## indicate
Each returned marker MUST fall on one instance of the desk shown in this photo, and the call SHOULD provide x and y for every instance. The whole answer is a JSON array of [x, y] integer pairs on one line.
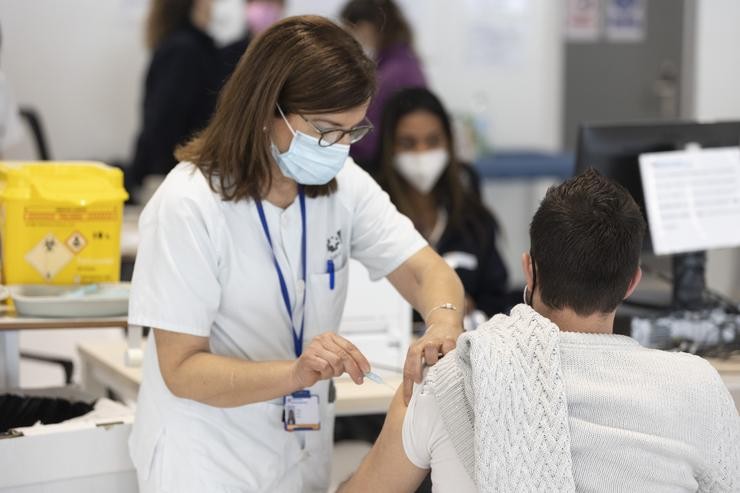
[[103, 366], [10, 324], [730, 366], [729, 370]]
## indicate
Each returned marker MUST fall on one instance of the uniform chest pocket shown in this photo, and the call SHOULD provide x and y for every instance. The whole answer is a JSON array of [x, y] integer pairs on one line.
[[327, 297]]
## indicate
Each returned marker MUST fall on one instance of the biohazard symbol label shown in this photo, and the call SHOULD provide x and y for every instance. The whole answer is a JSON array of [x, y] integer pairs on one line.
[[76, 242], [49, 256]]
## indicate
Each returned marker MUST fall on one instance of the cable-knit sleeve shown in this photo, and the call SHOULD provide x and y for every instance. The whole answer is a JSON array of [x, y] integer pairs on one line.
[[724, 451]]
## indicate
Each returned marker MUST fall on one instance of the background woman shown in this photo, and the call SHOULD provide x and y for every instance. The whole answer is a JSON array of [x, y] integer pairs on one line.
[[386, 37], [427, 183], [195, 46]]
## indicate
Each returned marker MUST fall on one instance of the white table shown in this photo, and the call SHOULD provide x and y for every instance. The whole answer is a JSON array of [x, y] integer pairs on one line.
[[729, 370], [104, 366], [10, 325]]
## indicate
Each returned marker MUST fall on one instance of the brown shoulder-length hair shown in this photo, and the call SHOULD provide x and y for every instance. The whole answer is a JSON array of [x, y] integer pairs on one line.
[[308, 65], [385, 16], [166, 16]]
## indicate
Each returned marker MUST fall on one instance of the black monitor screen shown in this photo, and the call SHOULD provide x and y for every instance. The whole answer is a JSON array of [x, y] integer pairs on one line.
[[614, 150]]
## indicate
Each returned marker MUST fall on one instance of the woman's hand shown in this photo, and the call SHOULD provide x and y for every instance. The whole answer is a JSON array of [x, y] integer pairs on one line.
[[430, 286], [439, 339], [328, 355]]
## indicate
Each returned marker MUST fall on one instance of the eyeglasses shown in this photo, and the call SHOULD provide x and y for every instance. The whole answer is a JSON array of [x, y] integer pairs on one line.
[[329, 137]]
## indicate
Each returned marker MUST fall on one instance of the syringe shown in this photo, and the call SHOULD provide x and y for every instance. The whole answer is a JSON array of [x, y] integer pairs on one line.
[[378, 379]]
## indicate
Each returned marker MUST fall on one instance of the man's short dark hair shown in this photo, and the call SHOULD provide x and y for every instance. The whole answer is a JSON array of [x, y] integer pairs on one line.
[[586, 239]]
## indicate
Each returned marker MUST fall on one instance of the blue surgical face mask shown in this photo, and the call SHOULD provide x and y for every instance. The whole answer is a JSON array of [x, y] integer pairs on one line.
[[306, 161]]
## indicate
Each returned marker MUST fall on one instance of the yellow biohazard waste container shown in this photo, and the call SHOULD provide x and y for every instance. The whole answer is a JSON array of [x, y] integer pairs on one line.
[[60, 222]]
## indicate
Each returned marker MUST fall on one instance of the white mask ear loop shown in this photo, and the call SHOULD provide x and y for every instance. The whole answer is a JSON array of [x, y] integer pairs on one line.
[[285, 119], [524, 295]]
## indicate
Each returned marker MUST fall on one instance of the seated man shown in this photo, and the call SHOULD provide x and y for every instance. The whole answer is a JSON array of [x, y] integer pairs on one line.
[[548, 398]]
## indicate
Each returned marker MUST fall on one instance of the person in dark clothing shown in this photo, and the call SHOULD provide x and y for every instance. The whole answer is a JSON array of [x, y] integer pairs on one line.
[[427, 183], [196, 45]]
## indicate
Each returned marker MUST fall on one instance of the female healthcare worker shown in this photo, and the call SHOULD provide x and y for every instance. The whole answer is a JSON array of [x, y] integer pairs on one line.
[[242, 274]]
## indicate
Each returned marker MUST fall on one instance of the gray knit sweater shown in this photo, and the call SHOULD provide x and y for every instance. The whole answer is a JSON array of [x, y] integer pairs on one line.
[[502, 399], [506, 383]]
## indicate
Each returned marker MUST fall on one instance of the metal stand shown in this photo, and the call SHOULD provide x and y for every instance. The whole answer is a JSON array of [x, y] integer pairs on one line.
[[9, 359], [688, 280], [134, 355]]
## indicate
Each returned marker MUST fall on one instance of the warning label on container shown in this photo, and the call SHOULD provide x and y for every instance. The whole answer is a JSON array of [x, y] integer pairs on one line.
[[76, 242], [34, 215], [49, 256]]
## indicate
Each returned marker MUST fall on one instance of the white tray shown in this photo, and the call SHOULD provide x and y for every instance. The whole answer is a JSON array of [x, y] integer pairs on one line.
[[108, 300]]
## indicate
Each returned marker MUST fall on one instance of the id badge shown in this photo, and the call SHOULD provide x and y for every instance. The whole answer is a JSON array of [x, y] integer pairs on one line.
[[301, 411]]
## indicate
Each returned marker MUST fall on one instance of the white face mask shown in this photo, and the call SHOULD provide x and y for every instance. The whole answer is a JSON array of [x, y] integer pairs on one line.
[[422, 169], [308, 163], [228, 21]]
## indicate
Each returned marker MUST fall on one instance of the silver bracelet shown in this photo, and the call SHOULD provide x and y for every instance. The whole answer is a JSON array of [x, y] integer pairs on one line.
[[443, 306]]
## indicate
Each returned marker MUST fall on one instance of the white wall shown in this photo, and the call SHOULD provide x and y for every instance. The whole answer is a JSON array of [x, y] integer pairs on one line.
[[522, 95], [80, 63], [717, 60], [717, 97]]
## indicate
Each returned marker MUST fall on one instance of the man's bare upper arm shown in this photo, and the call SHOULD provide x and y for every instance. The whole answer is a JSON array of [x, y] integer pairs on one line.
[[386, 467]]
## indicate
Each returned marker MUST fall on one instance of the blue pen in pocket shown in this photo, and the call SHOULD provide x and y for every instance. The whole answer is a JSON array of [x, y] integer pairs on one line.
[[330, 270]]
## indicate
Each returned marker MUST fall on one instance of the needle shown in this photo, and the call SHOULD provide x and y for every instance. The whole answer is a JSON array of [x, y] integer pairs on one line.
[[378, 379]]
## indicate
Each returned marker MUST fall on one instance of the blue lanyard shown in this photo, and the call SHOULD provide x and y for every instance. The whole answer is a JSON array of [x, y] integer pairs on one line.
[[297, 336]]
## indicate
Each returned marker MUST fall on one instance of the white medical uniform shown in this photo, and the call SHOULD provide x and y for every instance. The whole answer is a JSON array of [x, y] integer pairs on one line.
[[204, 268]]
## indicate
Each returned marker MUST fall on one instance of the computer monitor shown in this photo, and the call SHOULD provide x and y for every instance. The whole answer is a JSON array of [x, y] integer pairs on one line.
[[614, 150]]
